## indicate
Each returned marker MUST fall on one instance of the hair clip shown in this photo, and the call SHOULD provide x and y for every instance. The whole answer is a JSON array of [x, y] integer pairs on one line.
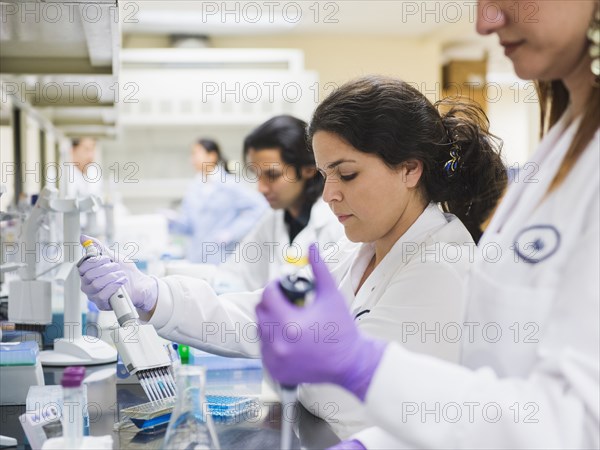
[[452, 164]]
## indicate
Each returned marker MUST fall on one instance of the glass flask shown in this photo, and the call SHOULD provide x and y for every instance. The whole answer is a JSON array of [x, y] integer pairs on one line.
[[191, 425]]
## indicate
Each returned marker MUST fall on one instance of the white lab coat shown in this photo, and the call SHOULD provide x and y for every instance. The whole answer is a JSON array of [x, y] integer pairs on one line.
[[537, 385], [261, 255], [417, 287], [414, 297]]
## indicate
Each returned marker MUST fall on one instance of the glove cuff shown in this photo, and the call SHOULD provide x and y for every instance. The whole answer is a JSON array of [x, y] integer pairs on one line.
[[150, 294], [368, 355]]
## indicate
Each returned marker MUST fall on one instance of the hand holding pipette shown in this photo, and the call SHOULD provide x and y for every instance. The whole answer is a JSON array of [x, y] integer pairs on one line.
[[102, 275], [143, 356]]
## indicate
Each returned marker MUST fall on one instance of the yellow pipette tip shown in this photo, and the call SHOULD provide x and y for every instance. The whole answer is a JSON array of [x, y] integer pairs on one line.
[[300, 262], [87, 243]]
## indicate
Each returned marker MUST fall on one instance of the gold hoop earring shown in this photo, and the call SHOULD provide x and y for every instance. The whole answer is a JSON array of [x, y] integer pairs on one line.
[[593, 35]]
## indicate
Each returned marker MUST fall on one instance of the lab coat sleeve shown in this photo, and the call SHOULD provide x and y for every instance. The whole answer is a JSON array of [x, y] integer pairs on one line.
[[189, 312], [435, 404], [248, 268]]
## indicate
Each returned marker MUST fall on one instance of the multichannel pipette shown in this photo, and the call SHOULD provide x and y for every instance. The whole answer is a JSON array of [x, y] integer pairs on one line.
[[138, 344], [295, 287]]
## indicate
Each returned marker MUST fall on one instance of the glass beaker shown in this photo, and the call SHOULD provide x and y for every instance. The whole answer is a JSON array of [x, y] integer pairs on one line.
[[191, 425]]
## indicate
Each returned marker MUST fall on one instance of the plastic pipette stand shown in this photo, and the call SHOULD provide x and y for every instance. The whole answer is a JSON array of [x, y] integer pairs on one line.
[[74, 349]]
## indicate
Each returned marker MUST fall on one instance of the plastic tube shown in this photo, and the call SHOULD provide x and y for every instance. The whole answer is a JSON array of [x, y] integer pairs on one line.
[[73, 406]]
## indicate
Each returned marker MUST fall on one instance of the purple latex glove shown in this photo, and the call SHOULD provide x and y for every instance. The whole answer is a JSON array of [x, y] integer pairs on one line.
[[101, 277], [338, 353], [348, 445]]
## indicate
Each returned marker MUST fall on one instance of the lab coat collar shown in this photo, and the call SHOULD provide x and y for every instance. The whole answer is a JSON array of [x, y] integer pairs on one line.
[[430, 221]]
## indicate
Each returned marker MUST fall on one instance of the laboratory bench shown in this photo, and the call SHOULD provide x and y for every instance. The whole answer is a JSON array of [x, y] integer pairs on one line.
[[260, 431]]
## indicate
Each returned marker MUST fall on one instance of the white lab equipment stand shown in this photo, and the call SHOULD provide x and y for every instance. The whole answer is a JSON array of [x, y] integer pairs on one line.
[[74, 348], [30, 300], [6, 441]]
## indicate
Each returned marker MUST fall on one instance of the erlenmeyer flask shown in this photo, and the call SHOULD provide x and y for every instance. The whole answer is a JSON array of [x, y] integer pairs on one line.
[[191, 426]]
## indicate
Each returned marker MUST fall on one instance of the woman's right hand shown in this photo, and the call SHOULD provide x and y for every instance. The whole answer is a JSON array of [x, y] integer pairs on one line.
[[101, 277]]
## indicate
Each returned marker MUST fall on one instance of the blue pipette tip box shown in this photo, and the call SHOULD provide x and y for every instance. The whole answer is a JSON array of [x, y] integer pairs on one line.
[[143, 424], [20, 368], [19, 353], [221, 408]]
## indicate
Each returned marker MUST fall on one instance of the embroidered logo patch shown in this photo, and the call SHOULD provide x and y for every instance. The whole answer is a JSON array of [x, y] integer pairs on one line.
[[536, 243]]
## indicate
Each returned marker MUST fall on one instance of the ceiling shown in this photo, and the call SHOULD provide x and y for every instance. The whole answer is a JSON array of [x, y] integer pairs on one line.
[[62, 59], [75, 45], [368, 17]]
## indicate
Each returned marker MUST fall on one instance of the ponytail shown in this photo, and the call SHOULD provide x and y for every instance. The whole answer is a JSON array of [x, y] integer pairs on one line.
[[470, 176]]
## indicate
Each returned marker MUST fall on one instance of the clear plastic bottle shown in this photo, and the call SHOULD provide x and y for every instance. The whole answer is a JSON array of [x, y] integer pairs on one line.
[[191, 425]]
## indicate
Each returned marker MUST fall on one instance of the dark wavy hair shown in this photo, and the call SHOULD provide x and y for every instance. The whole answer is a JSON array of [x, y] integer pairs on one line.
[[391, 119], [288, 134]]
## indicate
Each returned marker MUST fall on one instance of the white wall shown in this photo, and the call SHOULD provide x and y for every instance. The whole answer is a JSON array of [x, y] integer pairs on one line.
[[163, 153], [514, 117], [145, 156]]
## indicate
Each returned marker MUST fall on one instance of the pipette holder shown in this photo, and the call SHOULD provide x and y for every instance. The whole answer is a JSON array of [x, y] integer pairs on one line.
[[30, 299]]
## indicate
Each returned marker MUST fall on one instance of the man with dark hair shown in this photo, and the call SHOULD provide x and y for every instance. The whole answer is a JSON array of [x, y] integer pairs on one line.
[[277, 155]]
